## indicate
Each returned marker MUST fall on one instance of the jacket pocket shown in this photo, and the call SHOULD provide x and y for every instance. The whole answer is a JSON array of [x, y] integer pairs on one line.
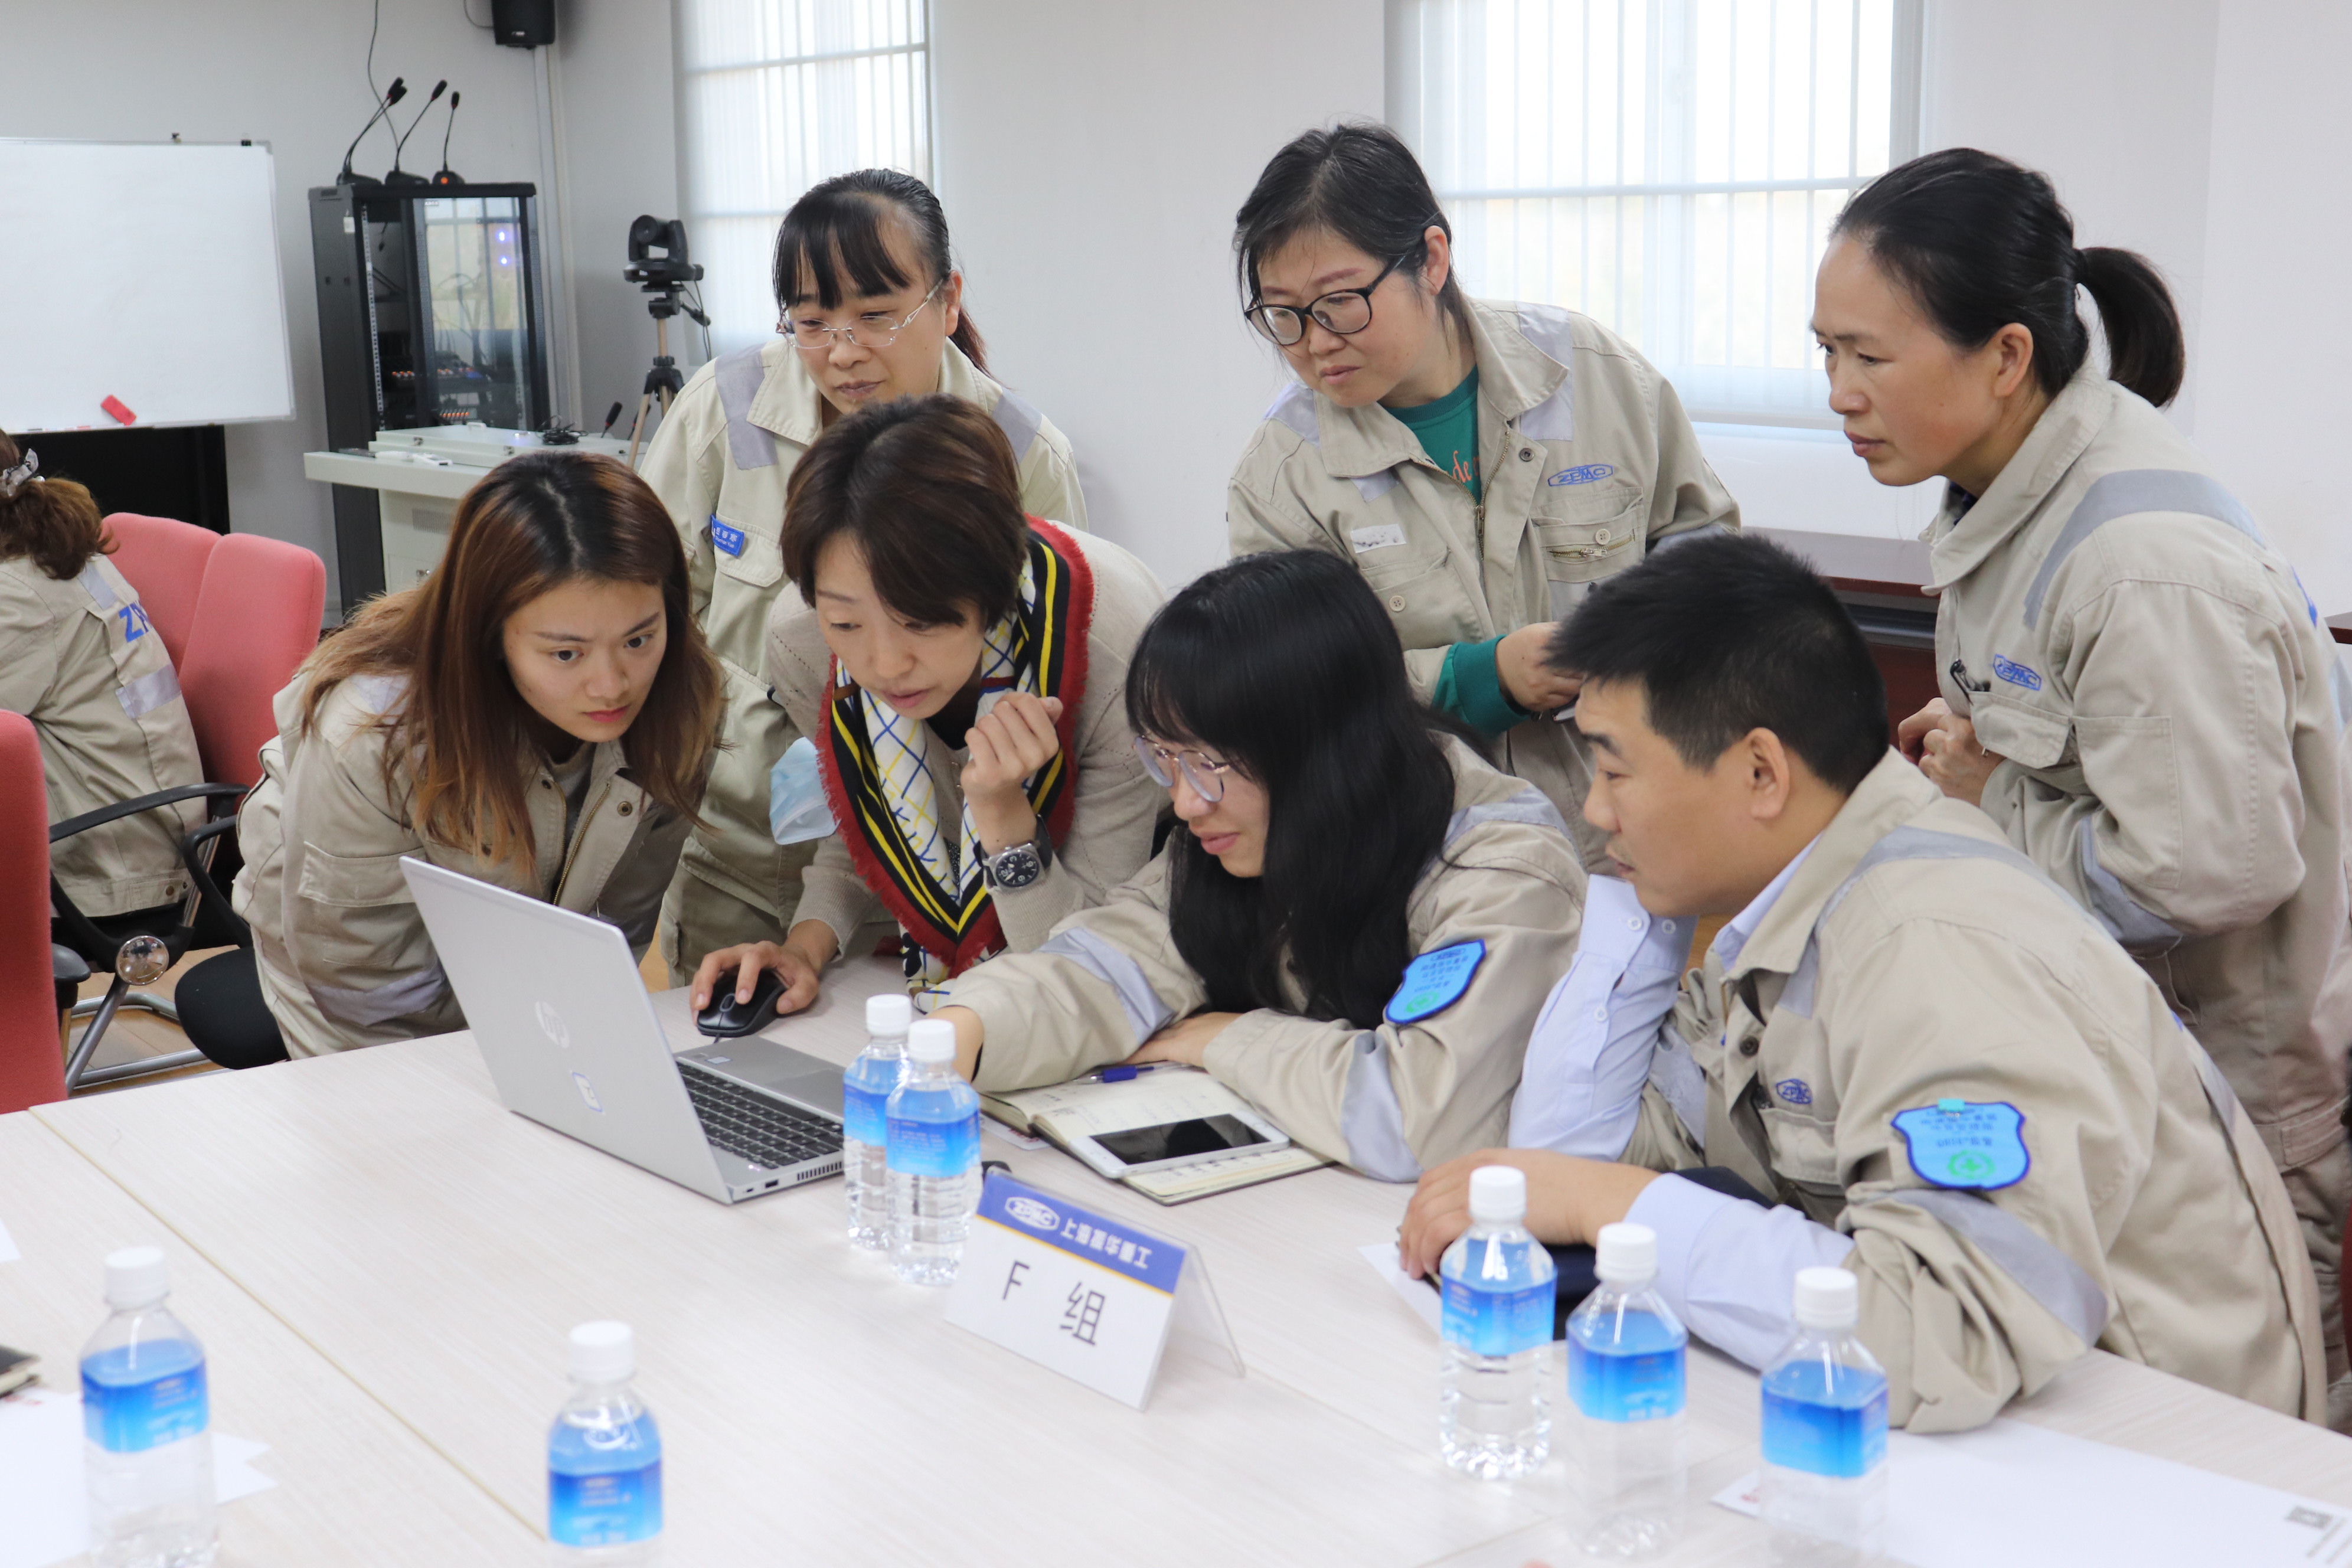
[[761, 561], [352, 882], [2026, 736], [1574, 555]]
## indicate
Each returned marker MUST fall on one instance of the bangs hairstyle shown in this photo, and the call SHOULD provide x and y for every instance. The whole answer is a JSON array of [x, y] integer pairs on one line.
[[536, 522], [1727, 633], [1358, 181], [926, 490], [55, 521], [835, 242], [1286, 666]]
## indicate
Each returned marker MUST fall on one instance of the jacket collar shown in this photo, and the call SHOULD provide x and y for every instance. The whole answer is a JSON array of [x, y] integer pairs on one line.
[[789, 404], [1514, 375], [1889, 796], [1967, 535]]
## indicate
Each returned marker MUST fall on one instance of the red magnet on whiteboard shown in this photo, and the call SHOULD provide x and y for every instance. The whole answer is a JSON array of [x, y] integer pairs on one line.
[[121, 410]]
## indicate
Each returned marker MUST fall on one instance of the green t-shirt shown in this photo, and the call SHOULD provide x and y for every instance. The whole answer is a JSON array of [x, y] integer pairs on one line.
[[1448, 431]]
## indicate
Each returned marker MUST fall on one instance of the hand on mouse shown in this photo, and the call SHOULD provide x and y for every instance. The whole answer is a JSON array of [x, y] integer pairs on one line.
[[800, 959]]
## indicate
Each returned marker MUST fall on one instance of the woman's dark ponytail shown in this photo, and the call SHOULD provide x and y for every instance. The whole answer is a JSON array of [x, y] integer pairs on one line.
[[1982, 243]]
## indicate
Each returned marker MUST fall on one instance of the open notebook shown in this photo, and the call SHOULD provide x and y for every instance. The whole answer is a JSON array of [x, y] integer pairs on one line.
[[1090, 1108]]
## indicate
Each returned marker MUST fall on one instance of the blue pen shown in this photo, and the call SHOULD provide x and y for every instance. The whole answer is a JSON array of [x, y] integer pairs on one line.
[[1122, 1072]]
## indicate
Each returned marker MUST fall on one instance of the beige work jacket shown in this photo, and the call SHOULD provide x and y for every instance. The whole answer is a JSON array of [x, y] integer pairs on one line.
[[1916, 958], [344, 956], [719, 463], [80, 660], [1387, 1098], [1117, 803], [1588, 462], [2173, 713]]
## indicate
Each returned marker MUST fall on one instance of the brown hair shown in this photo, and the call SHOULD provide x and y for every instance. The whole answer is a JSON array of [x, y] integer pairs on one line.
[[536, 522], [55, 521], [927, 489]]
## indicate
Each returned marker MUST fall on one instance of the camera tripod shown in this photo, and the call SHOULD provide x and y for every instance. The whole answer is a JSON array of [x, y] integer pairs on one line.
[[663, 381]]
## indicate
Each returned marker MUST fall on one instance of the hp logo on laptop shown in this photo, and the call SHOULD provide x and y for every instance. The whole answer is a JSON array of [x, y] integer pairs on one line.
[[550, 1023]]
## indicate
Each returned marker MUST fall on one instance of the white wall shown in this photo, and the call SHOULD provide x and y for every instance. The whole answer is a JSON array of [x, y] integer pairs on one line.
[[1091, 154]]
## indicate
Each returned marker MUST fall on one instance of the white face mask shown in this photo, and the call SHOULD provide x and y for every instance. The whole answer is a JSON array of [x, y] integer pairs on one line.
[[797, 811]]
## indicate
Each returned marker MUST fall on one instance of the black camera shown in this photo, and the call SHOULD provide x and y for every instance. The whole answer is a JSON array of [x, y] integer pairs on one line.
[[669, 270]]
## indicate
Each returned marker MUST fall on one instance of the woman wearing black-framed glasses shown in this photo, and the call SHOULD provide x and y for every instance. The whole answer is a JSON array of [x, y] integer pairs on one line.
[[1481, 463]]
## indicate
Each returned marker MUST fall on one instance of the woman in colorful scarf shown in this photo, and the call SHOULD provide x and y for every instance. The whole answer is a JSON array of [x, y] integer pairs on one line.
[[958, 668]]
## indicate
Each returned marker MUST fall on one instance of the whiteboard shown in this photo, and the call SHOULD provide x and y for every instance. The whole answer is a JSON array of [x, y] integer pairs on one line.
[[145, 273]]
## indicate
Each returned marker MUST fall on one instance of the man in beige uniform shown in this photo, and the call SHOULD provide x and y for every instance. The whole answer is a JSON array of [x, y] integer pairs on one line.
[[1385, 1097], [1954, 1083], [2163, 717], [1587, 461], [719, 462]]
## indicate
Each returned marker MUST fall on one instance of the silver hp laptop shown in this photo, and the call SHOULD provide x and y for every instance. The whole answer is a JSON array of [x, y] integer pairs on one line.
[[562, 1016]]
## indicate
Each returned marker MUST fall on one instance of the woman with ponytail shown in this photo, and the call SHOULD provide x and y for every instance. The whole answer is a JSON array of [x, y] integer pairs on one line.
[[2134, 686], [80, 660], [870, 308]]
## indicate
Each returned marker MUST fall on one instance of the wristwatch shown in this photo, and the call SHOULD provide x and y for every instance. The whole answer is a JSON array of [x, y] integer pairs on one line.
[[1018, 865]]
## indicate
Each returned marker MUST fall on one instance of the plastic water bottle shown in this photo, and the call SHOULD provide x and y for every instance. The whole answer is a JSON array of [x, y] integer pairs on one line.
[[1497, 1285], [1625, 1388], [1824, 1490], [865, 1115], [147, 1413], [603, 1459], [934, 1159]]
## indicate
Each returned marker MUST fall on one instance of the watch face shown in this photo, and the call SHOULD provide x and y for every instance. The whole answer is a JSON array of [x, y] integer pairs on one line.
[[1017, 868]]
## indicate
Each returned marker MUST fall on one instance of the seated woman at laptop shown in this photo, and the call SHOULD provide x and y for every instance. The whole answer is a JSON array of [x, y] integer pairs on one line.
[[1358, 919], [956, 666], [537, 713]]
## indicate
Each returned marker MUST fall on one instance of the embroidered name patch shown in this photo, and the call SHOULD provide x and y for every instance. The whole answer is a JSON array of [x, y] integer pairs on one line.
[[1966, 1143], [2017, 674], [1590, 473], [1378, 537], [1435, 980], [730, 539]]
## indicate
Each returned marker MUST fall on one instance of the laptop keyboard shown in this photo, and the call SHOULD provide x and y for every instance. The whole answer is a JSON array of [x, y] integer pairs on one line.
[[768, 1133]]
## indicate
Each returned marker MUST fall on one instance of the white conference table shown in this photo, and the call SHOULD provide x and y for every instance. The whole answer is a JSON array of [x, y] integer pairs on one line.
[[409, 1256]]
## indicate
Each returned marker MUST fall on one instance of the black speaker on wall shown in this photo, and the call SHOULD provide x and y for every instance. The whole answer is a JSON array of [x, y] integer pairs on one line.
[[524, 24]]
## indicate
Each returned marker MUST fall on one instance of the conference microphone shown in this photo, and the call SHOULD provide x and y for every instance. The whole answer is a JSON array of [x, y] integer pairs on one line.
[[449, 177], [397, 176], [393, 94]]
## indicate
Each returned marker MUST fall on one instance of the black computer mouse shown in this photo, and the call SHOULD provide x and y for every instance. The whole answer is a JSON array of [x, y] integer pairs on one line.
[[726, 1017]]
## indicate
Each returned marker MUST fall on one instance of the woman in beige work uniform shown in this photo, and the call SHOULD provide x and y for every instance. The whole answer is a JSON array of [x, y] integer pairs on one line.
[[2134, 686], [536, 714], [871, 308], [80, 660], [1480, 462], [1356, 922]]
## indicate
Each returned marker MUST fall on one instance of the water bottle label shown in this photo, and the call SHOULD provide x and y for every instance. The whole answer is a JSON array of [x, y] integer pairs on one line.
[[126, 1417], [934, 1148], [1643, 1386], [1825, 1439], [610, 1507], [1497, 1323], [864, 1115]]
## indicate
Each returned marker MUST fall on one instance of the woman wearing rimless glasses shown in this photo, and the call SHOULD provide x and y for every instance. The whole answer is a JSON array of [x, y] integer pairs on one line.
[[871, 309], [1356, 920], [1482, 463]]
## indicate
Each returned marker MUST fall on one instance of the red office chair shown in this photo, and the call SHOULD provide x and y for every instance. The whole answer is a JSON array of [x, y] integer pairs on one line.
[[165, 562], [30, 1070], [255, 618]]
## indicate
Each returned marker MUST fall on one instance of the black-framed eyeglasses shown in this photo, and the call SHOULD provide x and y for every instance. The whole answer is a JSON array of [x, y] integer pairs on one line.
[[1203, 772], [1346, 311]]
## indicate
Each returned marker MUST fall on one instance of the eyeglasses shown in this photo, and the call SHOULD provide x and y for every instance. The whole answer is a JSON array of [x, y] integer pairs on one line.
[[1346, 311], [1206, 775], [816, 334]]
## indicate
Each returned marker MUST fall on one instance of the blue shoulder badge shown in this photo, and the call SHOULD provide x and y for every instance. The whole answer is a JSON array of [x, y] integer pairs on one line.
[[1966, 1143], [1435, 980], [730, 539]]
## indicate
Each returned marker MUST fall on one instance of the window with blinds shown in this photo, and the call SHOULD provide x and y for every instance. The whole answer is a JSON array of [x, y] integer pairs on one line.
[[1669, 167], [774, 96]]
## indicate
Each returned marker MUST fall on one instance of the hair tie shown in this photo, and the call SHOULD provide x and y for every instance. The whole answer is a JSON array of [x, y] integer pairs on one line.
[[13, 480]]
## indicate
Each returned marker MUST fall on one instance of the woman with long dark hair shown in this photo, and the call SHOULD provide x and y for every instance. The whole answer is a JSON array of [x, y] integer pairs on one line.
[[1357, 919], [2134, 686], [538, 714], [1482, 463], [870, 307]]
